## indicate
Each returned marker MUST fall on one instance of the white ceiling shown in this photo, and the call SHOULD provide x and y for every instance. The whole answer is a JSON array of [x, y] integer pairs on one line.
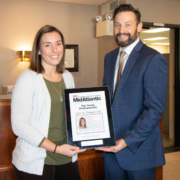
[[92, 2], [87, 2]]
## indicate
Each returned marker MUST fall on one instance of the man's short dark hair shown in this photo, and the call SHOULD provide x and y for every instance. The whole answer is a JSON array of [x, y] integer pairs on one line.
[[128, 8]]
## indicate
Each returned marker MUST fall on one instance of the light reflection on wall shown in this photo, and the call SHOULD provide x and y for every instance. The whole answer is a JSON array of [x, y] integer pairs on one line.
[[24, 47]]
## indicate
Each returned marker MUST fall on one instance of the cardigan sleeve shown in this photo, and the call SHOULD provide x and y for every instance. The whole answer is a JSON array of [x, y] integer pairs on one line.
[[68, 79], [21, 110]]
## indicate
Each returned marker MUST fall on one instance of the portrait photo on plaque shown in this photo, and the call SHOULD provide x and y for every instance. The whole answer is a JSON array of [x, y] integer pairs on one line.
[[88, 117]]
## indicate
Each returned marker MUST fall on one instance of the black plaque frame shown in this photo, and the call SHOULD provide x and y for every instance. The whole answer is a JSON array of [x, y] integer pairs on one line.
[[107, 141]]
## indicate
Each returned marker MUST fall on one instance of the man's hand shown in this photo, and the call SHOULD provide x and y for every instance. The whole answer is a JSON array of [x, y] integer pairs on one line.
[[120, 144]]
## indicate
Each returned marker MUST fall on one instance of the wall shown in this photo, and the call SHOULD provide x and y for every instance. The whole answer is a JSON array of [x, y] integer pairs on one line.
[[161, 11], [21, 19], [105, 45]]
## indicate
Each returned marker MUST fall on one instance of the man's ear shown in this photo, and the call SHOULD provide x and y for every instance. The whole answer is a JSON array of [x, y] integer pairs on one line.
[[139, 28]]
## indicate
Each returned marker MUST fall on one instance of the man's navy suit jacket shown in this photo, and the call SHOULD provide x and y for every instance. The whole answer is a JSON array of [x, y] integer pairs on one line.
[[138, 106]]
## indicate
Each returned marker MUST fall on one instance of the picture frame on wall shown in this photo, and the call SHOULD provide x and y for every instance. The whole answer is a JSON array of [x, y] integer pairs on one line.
[[71, 57]]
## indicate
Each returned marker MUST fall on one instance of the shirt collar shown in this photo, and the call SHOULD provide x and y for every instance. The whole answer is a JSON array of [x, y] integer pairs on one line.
[[130, 47]]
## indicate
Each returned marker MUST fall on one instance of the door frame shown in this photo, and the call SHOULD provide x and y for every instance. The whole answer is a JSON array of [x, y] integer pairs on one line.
[[177, 78]]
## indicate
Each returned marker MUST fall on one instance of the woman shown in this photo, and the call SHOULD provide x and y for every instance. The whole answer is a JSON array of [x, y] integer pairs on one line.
[[37, 113], [82, 123]]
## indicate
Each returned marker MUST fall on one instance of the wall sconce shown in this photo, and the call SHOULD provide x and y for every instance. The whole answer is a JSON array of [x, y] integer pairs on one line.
[[24, 56]]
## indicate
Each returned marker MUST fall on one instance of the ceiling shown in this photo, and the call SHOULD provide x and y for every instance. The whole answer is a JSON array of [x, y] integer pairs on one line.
[[91, 2], [87, 2]]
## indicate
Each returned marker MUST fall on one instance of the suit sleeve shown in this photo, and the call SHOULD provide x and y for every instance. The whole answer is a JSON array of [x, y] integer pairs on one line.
[[155, 92]]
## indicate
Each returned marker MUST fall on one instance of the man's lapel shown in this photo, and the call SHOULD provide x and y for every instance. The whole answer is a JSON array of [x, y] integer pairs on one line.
[[129, 65], [112, 70]]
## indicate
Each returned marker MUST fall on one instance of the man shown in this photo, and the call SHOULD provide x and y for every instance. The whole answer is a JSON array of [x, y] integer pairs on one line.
[[137, 77]]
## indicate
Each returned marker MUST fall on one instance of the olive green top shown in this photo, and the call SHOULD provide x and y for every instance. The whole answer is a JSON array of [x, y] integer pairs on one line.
[[57, 127]]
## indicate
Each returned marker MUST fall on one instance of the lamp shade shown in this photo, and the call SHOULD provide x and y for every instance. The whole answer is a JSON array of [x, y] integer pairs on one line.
[[24, 56]]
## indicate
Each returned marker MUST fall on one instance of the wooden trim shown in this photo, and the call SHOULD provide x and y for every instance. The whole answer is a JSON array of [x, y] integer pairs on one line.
[[8, 167], [5, 103]]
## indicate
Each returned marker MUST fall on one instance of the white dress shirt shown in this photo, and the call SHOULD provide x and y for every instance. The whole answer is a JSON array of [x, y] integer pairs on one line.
[[128, 52]]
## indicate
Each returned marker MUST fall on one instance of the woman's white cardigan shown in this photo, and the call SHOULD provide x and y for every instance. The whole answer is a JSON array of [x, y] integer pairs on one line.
[[30, 115]]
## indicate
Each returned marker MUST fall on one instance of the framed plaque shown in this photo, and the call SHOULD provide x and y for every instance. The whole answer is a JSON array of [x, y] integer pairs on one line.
[[89, 118], [71, 57]]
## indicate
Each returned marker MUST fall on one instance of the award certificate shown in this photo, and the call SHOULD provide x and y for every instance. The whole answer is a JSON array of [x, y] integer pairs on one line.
[[89, 117]]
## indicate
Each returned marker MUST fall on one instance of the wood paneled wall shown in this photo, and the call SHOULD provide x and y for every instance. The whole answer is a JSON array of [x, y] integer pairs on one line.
[[7, 140]]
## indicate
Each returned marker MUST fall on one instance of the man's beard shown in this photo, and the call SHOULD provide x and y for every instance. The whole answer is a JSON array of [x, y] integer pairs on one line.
[[129, 41]]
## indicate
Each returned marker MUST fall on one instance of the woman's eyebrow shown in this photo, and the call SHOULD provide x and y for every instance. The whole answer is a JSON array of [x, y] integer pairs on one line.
[[50, 42]]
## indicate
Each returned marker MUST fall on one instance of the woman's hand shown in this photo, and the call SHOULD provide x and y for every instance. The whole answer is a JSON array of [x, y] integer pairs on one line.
[[68, 150], [65, 149]]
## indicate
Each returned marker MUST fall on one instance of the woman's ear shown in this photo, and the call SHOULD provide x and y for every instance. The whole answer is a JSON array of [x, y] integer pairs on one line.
[[39, 53]]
